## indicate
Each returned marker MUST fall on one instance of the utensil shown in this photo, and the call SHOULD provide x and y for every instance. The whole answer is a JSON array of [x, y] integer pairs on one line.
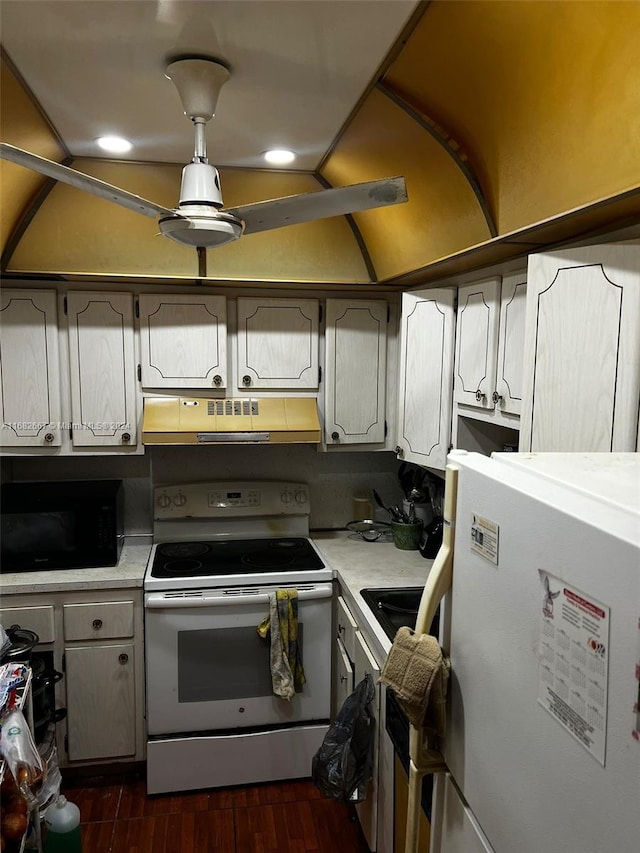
[[395, 515]]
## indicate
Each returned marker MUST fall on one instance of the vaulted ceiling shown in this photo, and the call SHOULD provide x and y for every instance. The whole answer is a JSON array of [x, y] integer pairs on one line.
[[516, 125]]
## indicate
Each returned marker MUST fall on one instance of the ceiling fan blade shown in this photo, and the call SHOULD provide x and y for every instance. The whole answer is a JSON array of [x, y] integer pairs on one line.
[[291, 210], [81, 181]]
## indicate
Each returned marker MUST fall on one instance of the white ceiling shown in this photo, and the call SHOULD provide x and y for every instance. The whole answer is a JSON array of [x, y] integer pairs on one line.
[[298, 67]]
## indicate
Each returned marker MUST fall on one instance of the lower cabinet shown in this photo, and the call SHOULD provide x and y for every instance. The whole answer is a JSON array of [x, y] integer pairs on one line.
[[96, 638], [353, 660]]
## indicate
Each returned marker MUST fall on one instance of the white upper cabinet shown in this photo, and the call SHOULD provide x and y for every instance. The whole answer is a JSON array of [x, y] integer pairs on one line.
[[582, 350], [277, 343], [30, 369], [355, 362], [183, 341], [102, 369], [490, 344], [426, 375]]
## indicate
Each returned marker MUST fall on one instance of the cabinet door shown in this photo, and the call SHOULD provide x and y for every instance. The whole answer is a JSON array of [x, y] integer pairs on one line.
[[356, 359], [278, 343], [100, 702], [183, 341], [29, 369], [477, 343], [342, 677], [513, 303], [582, 350], [426, 372], [367, 810], [102, 369]]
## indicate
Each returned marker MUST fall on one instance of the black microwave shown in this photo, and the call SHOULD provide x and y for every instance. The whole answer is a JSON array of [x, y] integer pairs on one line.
[[69, 524]]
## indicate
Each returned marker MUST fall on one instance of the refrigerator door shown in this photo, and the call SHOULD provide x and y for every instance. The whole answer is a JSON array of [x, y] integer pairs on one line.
[[542, 627]]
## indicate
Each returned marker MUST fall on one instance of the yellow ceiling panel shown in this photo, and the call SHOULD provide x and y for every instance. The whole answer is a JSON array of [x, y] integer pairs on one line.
[[442, 215], [23, 125], [75, 232], [543, 95]]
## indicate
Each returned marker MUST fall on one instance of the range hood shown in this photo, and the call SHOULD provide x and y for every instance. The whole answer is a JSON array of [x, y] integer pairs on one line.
[[267, 420]]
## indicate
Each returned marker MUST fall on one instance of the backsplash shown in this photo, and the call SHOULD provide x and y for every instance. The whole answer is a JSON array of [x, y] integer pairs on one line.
[[333, 478]]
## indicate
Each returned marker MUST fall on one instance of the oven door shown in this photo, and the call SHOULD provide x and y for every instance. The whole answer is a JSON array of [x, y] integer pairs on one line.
[[207, 668]]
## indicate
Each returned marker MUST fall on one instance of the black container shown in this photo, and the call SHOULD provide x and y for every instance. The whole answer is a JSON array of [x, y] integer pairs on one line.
[[431, 538], [22, 644]]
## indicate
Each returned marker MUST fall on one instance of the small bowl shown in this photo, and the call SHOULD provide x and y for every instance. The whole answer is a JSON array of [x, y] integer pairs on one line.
[[368, 529]]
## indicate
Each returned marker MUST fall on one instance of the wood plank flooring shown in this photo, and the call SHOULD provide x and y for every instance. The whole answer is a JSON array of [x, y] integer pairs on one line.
[[117, 816]]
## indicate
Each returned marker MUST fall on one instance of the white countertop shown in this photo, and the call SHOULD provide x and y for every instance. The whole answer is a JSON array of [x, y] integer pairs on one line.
[[128, 573], [363, 565]]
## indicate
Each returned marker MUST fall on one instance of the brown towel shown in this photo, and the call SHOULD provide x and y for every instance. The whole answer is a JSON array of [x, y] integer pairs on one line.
[[417, 673]]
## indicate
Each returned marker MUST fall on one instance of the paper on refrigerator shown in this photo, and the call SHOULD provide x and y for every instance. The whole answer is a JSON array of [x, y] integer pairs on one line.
[[574, 662]]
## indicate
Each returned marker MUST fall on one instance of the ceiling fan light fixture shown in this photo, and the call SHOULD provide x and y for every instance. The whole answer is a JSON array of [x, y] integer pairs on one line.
[[114, 144], [279, 156]]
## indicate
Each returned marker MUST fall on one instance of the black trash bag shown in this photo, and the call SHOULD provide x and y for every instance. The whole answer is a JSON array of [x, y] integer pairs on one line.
[[343, 765]]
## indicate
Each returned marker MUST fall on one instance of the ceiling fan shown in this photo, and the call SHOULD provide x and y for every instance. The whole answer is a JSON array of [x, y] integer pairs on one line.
[[200, 219]]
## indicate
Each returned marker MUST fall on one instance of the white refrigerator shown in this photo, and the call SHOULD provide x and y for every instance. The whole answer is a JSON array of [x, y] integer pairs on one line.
[[542, 625]]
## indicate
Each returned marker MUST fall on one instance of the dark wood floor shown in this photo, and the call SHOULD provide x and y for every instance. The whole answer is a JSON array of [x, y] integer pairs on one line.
[[117, 816]]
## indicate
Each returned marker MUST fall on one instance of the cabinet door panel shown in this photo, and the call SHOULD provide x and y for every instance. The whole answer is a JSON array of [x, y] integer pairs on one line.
[[511, 342], [183, 341], [343, 677], [29, 375], [356, 348], [100, 702], [426, 373], [582, 350], [364, 664], [102, 368], [476, 343], [278, 343]]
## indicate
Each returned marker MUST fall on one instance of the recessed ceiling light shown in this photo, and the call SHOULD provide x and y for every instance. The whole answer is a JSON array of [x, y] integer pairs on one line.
[[114, 144], [279, 156]]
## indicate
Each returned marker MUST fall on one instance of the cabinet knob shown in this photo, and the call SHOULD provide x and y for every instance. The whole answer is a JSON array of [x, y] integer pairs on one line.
[[97, 624], [217, 379], [399, 451], [480, 396], [126, 436], [335, 436], [49, 437], [496, 398], [343, 679], [246, 380], [340, 629], [123, 659]]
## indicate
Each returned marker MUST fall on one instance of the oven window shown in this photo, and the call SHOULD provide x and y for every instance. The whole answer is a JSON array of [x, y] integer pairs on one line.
[[223, 663]]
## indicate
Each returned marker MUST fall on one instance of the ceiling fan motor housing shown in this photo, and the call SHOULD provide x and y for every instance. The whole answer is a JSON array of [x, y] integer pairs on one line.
[[200, 185]]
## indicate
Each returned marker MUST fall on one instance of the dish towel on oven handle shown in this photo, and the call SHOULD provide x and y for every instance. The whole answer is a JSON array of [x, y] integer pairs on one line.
[[287, 674]]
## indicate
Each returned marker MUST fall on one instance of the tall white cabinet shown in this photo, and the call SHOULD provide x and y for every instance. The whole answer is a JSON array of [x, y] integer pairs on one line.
[[102, 369], [29, 369], [356, 364], [425, 378], [582, 350]]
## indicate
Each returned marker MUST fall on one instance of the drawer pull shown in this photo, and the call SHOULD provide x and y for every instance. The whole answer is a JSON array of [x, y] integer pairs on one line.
[[97, 624], [343, 679], [123, 659]]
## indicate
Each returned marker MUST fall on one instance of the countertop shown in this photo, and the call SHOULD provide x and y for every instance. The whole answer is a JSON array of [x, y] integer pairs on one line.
[[128, 573], [357, 565], [361, 565]]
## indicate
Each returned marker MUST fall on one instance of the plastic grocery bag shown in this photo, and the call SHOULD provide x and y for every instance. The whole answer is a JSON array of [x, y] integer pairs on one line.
[[343, 766]]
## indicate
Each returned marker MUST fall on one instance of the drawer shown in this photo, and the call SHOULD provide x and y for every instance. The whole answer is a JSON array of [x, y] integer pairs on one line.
[[104, 621], [347, 628], [38, 619]]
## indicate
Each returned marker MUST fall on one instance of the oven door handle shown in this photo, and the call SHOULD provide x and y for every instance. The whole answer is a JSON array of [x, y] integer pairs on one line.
[[158, 601]]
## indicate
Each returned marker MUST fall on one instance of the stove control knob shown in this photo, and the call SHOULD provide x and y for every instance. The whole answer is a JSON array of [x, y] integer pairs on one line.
[[286, 496], [164, 500], [179, 499], [301, 496]]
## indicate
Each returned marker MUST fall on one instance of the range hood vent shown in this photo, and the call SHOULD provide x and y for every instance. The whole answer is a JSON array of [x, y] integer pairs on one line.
[[233, 420]]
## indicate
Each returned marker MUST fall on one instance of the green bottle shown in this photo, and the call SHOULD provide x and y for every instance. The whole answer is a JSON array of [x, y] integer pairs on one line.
[[62, 820]]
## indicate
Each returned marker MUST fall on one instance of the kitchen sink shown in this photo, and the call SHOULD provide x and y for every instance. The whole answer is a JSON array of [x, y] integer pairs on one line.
[[397, 608]]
